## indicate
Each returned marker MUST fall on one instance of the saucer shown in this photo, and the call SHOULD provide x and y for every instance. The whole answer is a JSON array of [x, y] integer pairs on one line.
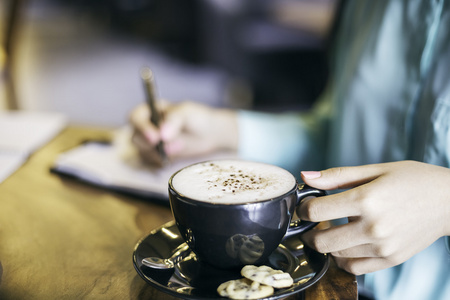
[[191, 279]]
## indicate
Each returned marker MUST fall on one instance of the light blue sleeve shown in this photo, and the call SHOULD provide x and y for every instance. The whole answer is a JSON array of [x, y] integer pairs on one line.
[[294, 141], [423, 276]]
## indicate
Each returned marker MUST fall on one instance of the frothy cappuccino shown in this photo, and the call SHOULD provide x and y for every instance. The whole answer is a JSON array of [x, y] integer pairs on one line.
[[232, 181]]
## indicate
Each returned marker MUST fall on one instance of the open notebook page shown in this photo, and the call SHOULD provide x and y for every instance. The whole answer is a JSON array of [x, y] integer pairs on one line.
[[117, 166], [22, 133]]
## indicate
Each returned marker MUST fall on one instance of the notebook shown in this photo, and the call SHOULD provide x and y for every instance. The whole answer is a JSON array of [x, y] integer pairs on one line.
[[22, 133], [117, 166]]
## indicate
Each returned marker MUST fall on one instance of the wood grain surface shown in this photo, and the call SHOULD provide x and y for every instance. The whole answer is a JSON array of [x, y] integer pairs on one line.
[[63, 239]]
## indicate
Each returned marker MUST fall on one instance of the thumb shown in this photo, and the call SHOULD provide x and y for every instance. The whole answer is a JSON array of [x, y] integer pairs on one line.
[[342, 177]]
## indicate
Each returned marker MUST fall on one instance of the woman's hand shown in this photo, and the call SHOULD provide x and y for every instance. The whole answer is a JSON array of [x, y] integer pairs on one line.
[[188, 129], [395, 210]]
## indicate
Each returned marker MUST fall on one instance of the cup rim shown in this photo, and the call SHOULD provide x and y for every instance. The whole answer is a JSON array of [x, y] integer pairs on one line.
[[208, 203]]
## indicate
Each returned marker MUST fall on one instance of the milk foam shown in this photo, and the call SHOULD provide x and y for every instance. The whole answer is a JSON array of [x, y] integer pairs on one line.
[[233, 181]]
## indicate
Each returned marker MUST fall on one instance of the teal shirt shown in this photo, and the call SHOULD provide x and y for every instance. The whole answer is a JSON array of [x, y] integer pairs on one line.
[[388, 99]]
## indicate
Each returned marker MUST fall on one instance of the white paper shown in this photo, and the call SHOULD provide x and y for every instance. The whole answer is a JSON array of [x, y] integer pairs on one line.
[[22, 133], [9, 163]]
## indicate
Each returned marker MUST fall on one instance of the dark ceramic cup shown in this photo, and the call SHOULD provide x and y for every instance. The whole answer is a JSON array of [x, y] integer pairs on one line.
[[233, 235]]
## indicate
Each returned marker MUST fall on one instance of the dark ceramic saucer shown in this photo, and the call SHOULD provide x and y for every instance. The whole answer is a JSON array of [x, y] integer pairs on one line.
[[194, 280]]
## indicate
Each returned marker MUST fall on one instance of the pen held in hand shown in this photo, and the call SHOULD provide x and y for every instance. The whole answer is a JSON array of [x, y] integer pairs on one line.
[[155, 118]]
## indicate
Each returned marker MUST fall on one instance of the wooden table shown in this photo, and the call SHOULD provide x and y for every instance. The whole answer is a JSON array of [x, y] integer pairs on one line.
[[62, 239]]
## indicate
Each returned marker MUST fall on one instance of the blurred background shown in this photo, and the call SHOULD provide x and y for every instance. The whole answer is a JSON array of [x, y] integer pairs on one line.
[[82, 58]]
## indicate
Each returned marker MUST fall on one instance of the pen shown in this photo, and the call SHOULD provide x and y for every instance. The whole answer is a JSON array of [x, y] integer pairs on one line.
[[149, 84]]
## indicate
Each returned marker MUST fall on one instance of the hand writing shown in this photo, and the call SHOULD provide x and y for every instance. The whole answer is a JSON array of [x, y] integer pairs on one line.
[[187, 129]]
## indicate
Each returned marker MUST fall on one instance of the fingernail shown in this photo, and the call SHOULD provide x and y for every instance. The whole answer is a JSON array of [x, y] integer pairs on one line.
[[310, 174]]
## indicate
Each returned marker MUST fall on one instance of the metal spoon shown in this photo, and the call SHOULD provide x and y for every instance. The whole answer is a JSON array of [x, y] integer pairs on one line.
[[168, 263]]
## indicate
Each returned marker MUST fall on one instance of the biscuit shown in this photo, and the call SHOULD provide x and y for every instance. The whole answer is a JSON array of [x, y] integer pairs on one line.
[[247, 289], [266, 275], [258, 282], [222, 289]]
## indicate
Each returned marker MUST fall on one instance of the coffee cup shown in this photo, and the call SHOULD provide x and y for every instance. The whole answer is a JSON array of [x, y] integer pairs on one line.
[[234, 212]]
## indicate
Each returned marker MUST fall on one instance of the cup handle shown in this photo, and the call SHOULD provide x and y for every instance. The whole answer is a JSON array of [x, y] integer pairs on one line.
[[298, 226]]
